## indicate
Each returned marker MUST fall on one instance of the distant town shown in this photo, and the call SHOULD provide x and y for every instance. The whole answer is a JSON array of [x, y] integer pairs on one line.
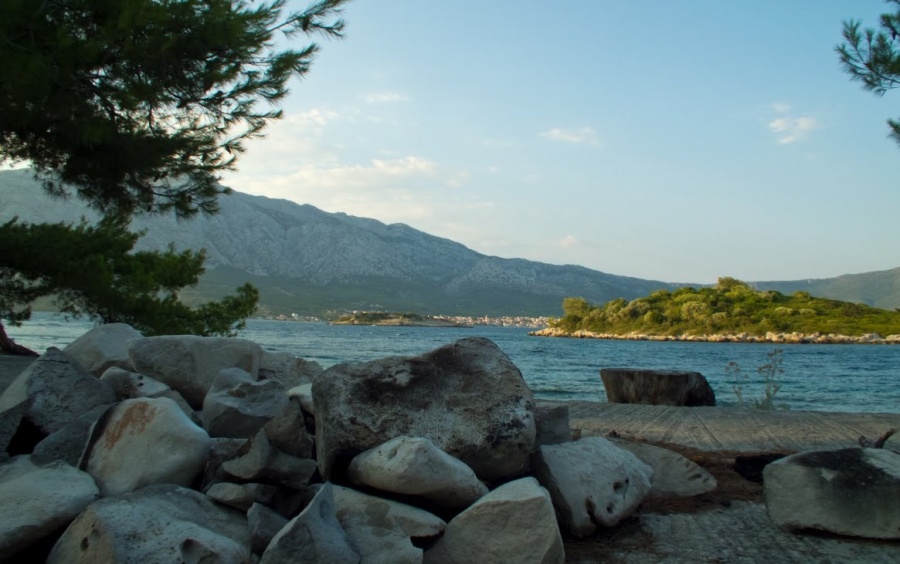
[[504, 321]]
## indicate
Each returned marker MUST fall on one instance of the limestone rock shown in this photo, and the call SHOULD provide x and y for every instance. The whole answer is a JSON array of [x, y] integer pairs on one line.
[[145, 441], [467, 397], [414, 466], [513, 523], [241, 496], [156, 525], [67, 444], [259, 461], [237, 406], [673, 474], [287, 431], [104, 346], [56, 391], [221, 450], [129, 385], [552, 422], [592, 482], [853, 491], [381, 530], [189, 364], [656, 387], [39, 500], [303, 394], [313, 536], [264, 524], [287, 369]]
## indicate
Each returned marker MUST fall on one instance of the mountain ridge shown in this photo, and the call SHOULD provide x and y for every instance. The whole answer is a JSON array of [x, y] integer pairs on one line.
[[308, 261]]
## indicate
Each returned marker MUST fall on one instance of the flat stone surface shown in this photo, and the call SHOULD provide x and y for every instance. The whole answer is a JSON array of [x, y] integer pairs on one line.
[[731, 428]]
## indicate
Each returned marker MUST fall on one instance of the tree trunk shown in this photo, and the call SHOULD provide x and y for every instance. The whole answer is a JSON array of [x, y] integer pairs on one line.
[[9, 346]]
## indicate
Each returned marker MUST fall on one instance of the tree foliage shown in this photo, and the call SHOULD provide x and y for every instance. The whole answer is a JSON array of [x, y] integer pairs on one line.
[[731, 307], [872, 57], [92, 269], [138, 104]]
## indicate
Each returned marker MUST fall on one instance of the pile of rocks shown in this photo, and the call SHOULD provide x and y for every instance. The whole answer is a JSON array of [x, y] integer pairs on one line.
[[769, 337], [182, 448]]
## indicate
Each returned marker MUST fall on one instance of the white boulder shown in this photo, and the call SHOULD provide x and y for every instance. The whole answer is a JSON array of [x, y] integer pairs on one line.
[[673, 474], [238, 406], [104, 346]]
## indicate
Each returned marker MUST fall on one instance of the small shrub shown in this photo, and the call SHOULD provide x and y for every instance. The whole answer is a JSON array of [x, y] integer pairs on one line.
[[770, 372]]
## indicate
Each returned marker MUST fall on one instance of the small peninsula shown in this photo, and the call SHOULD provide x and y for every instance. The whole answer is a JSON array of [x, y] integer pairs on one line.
[[395, 319], [730, 311]]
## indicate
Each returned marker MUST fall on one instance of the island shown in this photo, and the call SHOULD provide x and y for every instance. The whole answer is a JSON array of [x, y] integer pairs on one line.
[[396, 319], [730, 311]]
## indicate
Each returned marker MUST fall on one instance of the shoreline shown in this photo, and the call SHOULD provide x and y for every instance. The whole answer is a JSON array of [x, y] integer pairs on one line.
[[770, 337]]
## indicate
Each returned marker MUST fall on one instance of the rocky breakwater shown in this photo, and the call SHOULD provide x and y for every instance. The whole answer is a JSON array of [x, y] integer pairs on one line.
[[769, 337], [185, 449]]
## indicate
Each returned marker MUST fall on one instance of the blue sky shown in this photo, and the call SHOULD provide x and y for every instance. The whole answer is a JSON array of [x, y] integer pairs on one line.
[[677, 141]]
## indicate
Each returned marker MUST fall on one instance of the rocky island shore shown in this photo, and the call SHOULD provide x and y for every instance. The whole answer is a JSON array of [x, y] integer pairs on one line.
[[769, 337], [397, 320]]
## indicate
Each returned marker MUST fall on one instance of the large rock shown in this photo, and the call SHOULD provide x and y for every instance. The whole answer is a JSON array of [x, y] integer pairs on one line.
[[513, 523], [592, 482], [56, 390], [37, 501], [259, 461], [189, 364], [129, 385], [238, 406], [156, 525], [104, 346], [287, 369], [68, 443], [673, 474], [313, 536], [854, 491], [145, 441], [287, 431], [414, 466], [264, 524], [656, 387], [467, 397], [382, 530]]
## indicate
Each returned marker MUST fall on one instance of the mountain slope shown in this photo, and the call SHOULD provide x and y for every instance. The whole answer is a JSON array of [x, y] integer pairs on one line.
[[876, 289], [306, 260]]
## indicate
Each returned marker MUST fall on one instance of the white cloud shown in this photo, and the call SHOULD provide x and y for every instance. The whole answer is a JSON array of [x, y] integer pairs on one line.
[[781, 107], [386, 97], [585, 135], [568, 242], [790, 129]]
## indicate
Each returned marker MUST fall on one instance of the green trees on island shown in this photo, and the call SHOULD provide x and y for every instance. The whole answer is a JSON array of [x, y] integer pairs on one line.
[[731, 307], [135, 106], [872, 57]]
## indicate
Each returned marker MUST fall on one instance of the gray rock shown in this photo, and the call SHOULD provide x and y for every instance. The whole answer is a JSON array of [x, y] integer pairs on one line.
[[264, 524], [303, 394], [221, 450], [241, 496], [104, 346], [854, 491], [381, 530], [313, 536], [238, 406], [467, 397], [39, 500], [260, 462], [552, 424], [287, 431], [287, 369], [68, 443], [656, 387], [129, 385], [673, 474], [189, 364], [145, 441], [592, 483], [156, 525], [56, 391], [414, 466], [513, 523]]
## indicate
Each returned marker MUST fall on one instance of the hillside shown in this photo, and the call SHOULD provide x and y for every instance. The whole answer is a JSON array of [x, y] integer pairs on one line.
[[731, 307], [876, 289], [308, 261]]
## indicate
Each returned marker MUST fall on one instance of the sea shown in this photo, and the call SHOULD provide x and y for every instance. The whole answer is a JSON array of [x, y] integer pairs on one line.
[[848, 378]]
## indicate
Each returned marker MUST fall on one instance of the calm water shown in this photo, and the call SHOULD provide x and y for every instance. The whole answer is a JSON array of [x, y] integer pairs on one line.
[[860, 378]]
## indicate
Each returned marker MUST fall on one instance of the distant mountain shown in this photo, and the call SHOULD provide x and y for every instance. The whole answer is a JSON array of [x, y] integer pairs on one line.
[[877, 289], [308, 261]]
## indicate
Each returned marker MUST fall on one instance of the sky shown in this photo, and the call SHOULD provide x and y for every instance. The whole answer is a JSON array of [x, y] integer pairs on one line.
[[675, 141]]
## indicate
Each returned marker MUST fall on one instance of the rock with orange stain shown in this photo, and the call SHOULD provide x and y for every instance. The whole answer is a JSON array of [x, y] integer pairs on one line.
[[145, 441]]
